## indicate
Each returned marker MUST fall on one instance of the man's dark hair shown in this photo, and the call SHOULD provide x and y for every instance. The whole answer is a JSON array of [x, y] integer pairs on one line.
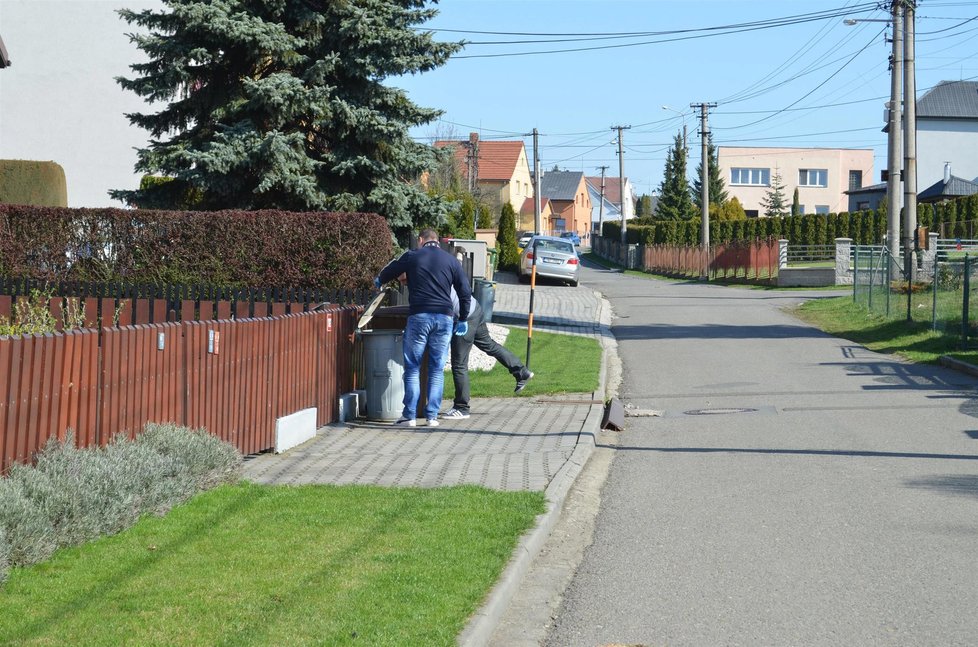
[[429, 234]]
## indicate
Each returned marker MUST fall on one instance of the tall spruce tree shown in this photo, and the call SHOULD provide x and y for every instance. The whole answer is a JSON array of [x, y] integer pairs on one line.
[[675, 202], [795, 204], [283, 105], [774, 200], [718, 189]]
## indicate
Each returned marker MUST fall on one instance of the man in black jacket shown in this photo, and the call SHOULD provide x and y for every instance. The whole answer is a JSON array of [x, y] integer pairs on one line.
[[478, 334], [432, 273]]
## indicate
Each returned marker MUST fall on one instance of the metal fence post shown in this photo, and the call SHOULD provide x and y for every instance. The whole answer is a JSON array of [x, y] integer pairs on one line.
[[934, 290], [855, 274], [964, 304], [889, 280], [872, 273]]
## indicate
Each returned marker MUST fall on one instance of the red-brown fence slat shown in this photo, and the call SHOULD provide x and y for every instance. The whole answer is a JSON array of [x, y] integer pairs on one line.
[[9, 379]]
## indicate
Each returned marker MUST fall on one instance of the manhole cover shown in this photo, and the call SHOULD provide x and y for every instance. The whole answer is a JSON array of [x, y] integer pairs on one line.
[[718, 411]]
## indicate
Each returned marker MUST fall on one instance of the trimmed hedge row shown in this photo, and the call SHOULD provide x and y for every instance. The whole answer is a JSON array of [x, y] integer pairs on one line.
[[30, 182], [232, 248], [864, 227]]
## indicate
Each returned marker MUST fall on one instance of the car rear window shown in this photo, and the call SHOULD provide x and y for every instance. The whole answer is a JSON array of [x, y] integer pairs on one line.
[[561, 246]]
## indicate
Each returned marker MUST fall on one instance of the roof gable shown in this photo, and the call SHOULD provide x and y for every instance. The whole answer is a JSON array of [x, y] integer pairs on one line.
[[560, 185], [953, 188], [612, 187], [950, 100], [497, 161]]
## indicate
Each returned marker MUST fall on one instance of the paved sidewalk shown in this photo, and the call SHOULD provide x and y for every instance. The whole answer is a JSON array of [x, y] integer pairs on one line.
[[521, 443], [517, 443]]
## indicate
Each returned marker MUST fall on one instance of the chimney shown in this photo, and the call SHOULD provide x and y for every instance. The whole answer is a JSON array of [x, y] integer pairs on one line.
[[947, 172]]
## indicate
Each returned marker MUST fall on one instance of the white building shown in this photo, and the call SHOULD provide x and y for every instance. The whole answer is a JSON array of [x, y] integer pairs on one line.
[[947, 132]]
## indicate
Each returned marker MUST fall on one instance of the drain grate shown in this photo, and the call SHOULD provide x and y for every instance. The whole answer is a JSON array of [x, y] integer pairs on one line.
[[719, 411]]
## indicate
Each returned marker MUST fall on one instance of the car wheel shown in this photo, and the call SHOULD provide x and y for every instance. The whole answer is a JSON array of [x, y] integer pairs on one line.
[[575, 283]]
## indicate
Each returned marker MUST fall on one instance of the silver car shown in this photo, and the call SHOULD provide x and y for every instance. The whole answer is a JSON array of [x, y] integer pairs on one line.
[[557, 259]]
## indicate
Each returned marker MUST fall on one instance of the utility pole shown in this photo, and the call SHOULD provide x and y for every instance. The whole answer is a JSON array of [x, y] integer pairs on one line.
[[621, 187], [705, 183], [894, 157], [536, 182], [601, 204], [909, 137]]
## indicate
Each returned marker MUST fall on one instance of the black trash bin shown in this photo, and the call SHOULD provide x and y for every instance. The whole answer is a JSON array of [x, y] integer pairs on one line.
[[485, 293]]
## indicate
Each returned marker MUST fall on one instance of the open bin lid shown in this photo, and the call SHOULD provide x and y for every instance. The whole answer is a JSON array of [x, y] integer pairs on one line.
[[368, 313]]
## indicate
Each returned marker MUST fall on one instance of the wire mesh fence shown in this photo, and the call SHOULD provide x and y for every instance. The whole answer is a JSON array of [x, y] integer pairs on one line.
[[941, 294]]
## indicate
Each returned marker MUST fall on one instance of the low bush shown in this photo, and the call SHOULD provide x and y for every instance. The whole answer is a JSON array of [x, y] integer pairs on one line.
[[70, 495]]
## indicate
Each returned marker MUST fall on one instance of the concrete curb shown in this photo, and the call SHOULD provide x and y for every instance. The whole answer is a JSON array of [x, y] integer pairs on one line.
[[484, 621], [957, 365]]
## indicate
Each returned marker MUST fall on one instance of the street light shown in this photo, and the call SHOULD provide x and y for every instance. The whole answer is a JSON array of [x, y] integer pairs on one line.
[[683, 115]]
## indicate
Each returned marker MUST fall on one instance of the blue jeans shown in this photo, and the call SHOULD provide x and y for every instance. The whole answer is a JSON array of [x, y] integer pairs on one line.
[[433, 332]]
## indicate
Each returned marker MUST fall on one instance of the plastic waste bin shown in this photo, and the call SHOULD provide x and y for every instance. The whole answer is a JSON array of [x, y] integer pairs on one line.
[[383, 358], [485, 293], [383, 364]]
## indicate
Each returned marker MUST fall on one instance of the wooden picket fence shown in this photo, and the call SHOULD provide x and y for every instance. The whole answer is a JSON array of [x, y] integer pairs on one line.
[[100, 305], [234, 378]]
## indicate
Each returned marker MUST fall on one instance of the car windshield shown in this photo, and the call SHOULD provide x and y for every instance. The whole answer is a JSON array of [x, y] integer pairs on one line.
[[561, 246]]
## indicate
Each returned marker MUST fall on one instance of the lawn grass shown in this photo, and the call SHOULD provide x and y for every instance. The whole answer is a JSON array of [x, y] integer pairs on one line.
[[915, 341], [276, 565], [560, 364]]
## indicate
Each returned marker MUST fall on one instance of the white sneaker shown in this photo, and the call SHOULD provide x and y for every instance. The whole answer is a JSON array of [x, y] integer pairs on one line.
[[432, 422], [455, 414], [405, 422]]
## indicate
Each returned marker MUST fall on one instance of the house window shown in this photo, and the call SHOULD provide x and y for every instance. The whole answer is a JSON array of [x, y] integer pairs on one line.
[[751, 176], [813, 177], [801, 210], [862, 206], [559, 224], [822, 208], [751, 213], [855, 180]]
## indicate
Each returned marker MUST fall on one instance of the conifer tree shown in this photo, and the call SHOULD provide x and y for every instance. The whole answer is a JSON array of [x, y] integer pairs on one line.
[[283, 105], [718, 189], [509, 251], [795, 204], [774, 200], [675, 202]]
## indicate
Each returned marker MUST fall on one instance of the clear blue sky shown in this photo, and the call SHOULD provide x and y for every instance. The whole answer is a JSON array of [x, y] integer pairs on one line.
[[574, 98]]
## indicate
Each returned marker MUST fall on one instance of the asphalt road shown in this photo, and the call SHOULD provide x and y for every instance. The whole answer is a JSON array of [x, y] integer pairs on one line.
[[796, 490]]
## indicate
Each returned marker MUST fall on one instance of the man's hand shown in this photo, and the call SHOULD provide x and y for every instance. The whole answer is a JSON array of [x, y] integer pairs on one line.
[[377, 282], [462, 328]]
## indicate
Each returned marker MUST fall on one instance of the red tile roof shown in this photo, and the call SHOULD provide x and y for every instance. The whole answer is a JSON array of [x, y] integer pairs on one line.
[[612, 187], [497, 160], [527, 208]]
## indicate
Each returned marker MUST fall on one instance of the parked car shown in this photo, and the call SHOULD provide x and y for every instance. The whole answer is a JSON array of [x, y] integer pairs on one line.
[[557, 259], [572, 236], [524, 239]]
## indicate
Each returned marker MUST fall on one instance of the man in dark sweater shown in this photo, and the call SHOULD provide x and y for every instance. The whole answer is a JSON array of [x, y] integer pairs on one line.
[[478, 334], [431, 275]]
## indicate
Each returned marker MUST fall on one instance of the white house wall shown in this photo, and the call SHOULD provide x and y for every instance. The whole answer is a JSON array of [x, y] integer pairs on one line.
[[59, 100], [946, 140]]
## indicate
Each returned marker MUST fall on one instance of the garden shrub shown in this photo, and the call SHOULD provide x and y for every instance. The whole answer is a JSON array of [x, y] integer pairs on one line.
[[70, 495], [230, 248], [34, 183], [509, 251]]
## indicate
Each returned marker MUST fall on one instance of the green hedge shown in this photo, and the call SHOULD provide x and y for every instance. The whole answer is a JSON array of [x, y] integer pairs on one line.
[[864, 227], [40, 184], [233, 248]]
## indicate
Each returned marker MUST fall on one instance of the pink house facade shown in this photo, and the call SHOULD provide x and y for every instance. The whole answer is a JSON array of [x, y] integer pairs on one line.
[[822, 175]]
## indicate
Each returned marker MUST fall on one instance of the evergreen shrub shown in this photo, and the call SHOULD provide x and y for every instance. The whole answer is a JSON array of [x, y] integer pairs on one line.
[[506, 243], [28, 182]]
